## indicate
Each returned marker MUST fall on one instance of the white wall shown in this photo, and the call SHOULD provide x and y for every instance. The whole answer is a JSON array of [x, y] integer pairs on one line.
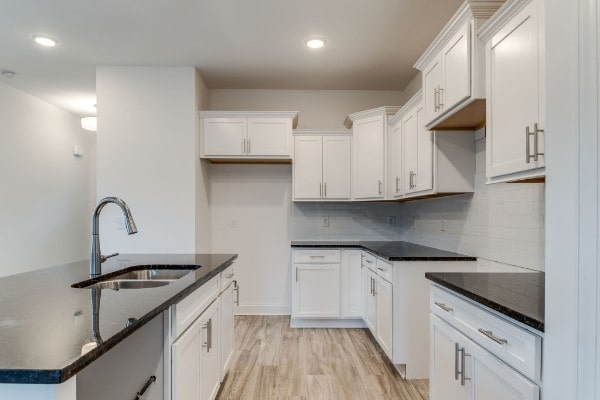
[[318, 109], [250, 215], [501, 222], [203, 227], [47, 193], [147, 154]]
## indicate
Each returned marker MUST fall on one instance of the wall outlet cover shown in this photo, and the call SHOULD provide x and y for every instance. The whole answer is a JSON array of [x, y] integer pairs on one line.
[[325, 222]]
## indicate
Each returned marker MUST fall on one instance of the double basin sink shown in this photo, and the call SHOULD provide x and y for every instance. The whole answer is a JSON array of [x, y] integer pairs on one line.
[[139, 277]]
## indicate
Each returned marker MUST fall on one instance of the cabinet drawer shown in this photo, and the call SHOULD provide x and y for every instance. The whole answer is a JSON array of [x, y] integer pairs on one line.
[[369, 261], [227, 277], [384, 270], [516, 346], [190, 308], [316, 256]]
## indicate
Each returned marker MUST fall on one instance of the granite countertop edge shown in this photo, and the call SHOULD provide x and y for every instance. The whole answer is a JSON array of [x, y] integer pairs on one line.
[[365, 246], [507, 311], [60, 375]]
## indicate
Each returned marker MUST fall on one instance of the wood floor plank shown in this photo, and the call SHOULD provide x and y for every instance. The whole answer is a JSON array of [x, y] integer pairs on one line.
[[274, 361]]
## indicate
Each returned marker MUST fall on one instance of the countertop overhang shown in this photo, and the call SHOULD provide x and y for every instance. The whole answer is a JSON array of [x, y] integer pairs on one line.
[[390, 250], [517, 295], [44, 322]]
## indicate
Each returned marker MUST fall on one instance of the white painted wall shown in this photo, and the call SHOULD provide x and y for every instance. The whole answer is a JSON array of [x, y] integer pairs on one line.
[[502, 222], [47, 193], [318, 109], [201, 177], [147, 155]]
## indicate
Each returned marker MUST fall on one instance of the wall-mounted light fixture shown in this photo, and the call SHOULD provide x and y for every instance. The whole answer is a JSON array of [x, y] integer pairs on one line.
[[89, 123]]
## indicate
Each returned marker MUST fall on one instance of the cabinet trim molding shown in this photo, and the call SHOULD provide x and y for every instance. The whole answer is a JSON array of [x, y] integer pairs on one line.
[[386, 110], [469, 10], [406, 108], [500, 18], [293, 115]]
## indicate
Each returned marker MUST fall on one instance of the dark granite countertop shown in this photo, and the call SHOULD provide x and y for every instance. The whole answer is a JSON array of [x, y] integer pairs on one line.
[[519, 295], [44, 322], [391, 251]]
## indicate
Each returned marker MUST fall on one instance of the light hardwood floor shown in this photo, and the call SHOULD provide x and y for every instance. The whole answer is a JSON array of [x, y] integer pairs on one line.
[[273, 361]]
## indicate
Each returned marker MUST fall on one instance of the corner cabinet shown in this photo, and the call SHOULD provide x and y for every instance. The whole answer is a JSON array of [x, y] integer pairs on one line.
[[469, 361], [369, 158], [321, 165], [514, 43], [453, 70], [426, 163], [236, 136]]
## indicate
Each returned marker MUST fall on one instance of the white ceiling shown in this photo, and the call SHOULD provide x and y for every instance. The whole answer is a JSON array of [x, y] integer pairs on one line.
[[242, 44]]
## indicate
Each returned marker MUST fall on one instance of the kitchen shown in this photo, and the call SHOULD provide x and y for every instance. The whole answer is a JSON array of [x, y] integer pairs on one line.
[[202, 207]]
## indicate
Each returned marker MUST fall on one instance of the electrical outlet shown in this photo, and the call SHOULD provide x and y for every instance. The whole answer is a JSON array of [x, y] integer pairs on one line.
[[234, 223], [325, 222], [443, 225], [391, 220]]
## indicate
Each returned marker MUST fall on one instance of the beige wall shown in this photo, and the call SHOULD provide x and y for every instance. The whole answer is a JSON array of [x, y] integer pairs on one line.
[[318, 109]]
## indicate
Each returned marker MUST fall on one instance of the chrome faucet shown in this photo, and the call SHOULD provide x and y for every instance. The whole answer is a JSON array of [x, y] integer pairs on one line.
[[96, 257]]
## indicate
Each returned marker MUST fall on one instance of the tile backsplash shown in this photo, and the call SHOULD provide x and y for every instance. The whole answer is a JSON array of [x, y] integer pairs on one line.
[[500, 222]]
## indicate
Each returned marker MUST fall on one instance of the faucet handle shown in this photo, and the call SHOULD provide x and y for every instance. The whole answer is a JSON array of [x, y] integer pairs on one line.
[[104, 258]]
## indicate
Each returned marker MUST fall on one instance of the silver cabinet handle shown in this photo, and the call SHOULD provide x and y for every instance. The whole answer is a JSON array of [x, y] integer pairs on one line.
[[435, 99], [443, 306], [411, 182], [243, 146], [491, 335], [527, 152], [463, 372], [380, 189], [320, 189], [249, 151], [369, 261], [325, 189], [536, 151], [456, 369], [372, 286], [205, 344], [317, 256], [149, 382], [209, 338], [397, 181], [380, 269], [237, 290], [440, 94]]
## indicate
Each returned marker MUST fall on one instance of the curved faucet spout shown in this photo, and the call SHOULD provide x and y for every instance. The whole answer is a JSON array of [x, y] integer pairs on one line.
[[96, 258]]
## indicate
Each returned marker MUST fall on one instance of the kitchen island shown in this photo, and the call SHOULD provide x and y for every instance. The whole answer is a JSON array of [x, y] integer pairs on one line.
[[51, 331]]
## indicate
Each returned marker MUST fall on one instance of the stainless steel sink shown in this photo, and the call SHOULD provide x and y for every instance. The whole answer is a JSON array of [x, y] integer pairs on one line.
[[139, 278], [118, 284]]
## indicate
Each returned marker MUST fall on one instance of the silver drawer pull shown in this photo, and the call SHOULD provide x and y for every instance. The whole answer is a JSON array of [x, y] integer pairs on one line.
[[444, 307], [369, 261], [381, 269], [491, 335], [229, 276]]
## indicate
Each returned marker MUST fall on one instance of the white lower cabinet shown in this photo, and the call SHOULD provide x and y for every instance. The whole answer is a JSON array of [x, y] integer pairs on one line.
[[369, 300], [385, 331], [201, 350], [466, 369], [351, 279], [316, 291]]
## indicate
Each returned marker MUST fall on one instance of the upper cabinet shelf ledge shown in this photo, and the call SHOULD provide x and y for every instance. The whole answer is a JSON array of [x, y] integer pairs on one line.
[[453, 70]]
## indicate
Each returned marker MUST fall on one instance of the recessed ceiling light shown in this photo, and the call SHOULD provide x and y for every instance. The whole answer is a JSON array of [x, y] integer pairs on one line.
[[45, 40], [315, 42], [89, 123]]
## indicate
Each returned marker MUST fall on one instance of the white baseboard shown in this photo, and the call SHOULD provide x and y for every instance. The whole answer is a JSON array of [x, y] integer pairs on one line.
[[327, 323], [262, 309]]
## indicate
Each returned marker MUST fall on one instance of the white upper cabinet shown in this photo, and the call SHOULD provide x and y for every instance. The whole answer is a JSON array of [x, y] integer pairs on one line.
[[430, 163], [322, 165], [369, 159], [396, 156], [246, 136], [514, 41], [453, 69]]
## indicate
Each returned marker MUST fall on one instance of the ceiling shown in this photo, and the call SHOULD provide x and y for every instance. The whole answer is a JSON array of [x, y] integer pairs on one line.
[[242, 44]]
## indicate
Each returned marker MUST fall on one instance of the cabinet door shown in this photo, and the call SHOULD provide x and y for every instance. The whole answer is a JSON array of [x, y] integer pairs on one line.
[[226, 331], [369, 299], [494, 380], [410, 147], [185, 363], [369, 158], [513, 94], [456, 62], [316, 291], [445, 362], [209, 353], [385, 314], [224, 136], [432, 83], [351, 284], [269, 136], [425, 146], [336, 167], [397, 158], [308, 171]]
